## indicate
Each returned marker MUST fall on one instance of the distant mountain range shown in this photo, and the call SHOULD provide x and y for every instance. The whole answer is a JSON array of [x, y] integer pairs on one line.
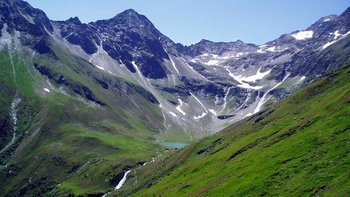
[[222, 82], [91, 100]]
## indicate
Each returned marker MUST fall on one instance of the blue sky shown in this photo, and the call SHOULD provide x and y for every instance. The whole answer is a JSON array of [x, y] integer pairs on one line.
[[189, 21]]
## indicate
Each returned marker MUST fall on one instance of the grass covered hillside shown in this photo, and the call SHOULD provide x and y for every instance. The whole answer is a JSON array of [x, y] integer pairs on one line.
[[298, 147], [77, 127]]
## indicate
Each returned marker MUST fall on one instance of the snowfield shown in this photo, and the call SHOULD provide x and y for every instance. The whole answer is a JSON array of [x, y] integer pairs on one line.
[[303, 35]]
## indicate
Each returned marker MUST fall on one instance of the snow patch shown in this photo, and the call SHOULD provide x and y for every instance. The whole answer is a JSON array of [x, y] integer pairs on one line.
[[336, 34], [49, 83], [173, 64], [271, 49], [225, 99], [121, 182], [247, 86], [264, 98], [244, 81], [303, 35], [239, 54], [99, 67], [178, 108], [262, 49], [200, 116], [46, 90], [302, 78], [213, 112], [247, 115], [328, 44], [205, 109], [173, 114], [213, 62], [137, 69], [337, 37], [258, 76]]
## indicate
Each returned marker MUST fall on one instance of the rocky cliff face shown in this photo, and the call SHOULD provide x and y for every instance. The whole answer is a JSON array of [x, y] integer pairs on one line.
[[21, 16], [126, 37]]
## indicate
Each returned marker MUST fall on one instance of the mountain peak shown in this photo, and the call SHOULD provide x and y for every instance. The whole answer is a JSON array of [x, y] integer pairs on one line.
[[204, 41], [74, 20], [239, 41], [130, 12], [131, 19]]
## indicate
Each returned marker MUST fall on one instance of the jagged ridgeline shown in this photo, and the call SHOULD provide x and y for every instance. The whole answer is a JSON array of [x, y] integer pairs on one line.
[[83, 105]]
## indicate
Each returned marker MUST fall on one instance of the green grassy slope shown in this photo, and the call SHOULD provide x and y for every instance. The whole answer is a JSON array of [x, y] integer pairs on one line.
[[7, 93], [21, 82], [79, 137], [299, 147]]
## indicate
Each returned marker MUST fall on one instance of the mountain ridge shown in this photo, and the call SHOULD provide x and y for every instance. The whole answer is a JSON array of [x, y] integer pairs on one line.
[[206, 71]]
